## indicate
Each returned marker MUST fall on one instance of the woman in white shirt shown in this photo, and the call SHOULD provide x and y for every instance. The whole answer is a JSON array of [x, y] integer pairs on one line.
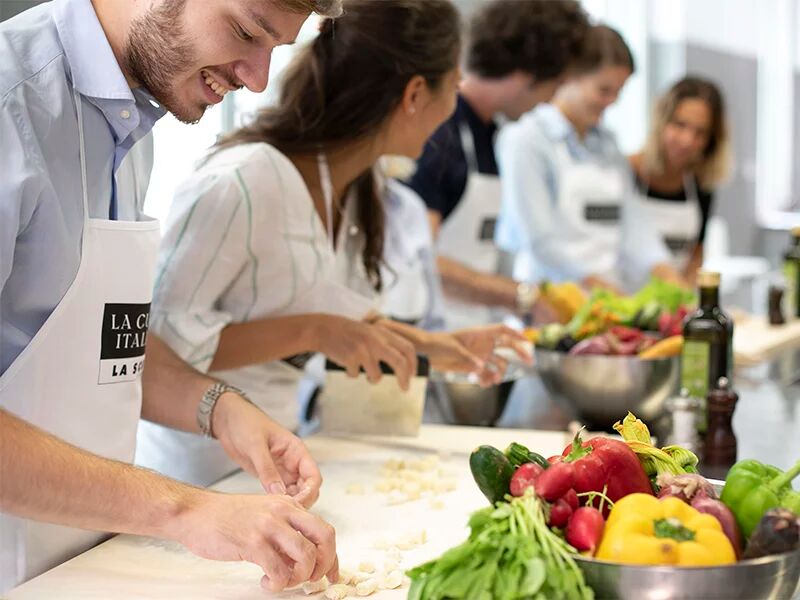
[[285, 222], [569, 209]]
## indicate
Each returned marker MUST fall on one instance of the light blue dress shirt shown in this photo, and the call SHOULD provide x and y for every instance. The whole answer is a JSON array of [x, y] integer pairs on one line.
[[529, 167], [44, 53]]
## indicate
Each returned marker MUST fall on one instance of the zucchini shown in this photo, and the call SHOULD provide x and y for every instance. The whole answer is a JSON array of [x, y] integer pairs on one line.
[[519, 455], [492, 471]]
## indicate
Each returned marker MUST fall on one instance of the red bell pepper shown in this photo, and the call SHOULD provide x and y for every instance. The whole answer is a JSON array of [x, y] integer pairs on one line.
[[605, 463]]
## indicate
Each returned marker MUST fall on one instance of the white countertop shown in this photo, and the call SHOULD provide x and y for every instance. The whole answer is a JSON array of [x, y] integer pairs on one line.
[[129, 567]]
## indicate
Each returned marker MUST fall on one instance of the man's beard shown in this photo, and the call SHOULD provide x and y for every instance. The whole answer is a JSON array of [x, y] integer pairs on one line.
[[157, 51]]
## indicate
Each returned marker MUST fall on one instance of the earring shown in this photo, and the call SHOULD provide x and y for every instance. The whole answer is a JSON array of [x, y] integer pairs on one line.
[[412, 110]]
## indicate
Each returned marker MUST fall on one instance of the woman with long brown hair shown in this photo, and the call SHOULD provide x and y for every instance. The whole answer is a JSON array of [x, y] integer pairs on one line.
[[277, 240], [685, 157]]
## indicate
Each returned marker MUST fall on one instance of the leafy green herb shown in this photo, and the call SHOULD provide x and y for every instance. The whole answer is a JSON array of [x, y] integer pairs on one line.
[[510, 554]]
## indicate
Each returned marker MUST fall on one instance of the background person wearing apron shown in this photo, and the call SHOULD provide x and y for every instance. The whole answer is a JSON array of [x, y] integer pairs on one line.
[[77, 258], [517, 52], [286, 219], [685, 157], [569, 210]]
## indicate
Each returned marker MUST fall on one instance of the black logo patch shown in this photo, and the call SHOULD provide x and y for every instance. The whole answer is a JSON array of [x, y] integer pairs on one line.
[[676, 244], [123, 340], [487, 229], [602, 213]]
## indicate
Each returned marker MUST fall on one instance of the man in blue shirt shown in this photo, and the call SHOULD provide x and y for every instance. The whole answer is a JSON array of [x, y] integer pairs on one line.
[[517, 53], [81, 83]]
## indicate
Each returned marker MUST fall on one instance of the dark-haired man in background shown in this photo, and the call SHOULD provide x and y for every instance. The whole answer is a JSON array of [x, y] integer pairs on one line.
[[517, 54]]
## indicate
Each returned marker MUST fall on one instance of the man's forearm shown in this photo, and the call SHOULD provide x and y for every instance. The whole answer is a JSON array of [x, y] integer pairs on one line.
[[44, 478], [466, 284], [171, 388]]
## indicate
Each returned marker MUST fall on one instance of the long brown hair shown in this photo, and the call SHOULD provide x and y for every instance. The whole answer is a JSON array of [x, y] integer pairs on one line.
[[346, 83], [715, 162]]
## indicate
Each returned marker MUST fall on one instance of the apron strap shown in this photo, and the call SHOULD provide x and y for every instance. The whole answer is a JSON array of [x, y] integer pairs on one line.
[[326, 183], [468, 145], [82, 151]]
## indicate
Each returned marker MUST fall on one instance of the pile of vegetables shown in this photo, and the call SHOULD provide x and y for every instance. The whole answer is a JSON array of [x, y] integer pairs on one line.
[[648, 324], [624, 501]]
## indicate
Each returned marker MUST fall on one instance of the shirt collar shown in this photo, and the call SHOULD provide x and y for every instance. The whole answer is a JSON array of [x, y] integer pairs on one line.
[[96, 74], [94, 68], [558, 128]]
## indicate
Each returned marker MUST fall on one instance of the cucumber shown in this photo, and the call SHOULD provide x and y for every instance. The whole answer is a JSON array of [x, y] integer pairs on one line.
[[519, 455], [492, 471]]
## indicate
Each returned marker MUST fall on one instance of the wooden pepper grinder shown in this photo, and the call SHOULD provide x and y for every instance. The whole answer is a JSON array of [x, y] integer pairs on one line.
[[719, 449]]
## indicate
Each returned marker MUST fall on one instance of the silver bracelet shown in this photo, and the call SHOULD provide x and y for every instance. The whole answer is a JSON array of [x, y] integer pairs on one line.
[[209, 402]]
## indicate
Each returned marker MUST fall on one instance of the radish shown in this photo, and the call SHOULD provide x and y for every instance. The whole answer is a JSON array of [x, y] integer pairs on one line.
[[585, 529], [560, 513], [571, 498], [555, 481], [524, 477]]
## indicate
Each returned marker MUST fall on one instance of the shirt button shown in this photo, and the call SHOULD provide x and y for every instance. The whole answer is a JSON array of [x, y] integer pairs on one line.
[[125, 114]]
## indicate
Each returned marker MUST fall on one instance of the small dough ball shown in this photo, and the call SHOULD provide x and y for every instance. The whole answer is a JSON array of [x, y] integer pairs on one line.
[[365, 588], [315, 587], [338, 591], [393, 580], [366, 567]]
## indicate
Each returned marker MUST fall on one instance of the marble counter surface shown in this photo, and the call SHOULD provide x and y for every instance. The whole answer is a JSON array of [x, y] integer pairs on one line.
[[129, 567]]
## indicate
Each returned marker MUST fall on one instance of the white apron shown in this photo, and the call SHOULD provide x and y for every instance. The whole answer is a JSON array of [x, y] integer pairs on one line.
[[677, 222], [590, 205], [201, 461], [411, 291], [467, 235], [79, 378]]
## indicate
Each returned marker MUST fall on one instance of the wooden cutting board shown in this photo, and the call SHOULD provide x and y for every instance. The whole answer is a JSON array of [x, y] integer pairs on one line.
[[756, 341]]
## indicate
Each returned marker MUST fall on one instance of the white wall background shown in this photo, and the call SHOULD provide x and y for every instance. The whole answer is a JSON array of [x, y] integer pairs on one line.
[[754, 29]]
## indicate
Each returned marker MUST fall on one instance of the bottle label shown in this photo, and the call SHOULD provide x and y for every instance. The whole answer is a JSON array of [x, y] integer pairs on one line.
[[695, 360], [791, 274]]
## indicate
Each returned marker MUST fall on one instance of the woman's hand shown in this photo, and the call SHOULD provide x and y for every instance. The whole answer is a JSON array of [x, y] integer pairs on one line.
[[473, 351], [358, 345]]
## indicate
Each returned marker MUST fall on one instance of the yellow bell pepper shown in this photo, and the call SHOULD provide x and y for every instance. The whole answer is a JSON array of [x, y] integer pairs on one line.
[[644, 530]]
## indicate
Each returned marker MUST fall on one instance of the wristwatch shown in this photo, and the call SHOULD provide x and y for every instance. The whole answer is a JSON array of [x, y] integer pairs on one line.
[[527, 295], [209, 401]]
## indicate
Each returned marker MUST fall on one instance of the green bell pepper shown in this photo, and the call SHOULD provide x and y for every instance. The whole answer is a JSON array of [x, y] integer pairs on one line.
[[752, 488]]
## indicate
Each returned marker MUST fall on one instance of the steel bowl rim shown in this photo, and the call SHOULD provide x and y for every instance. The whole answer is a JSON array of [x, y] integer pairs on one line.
[[748, 562], [618, 357]]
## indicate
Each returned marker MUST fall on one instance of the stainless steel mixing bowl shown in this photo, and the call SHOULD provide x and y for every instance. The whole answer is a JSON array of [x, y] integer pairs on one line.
[[775, 577], [769, 578], [601, 389]]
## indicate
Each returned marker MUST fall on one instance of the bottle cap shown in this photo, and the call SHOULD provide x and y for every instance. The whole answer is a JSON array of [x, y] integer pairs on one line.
[[708, 279], [796, 231]]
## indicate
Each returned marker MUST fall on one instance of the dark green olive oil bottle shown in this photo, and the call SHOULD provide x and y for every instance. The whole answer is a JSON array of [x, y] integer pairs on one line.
[[707, 351], [791, 272]]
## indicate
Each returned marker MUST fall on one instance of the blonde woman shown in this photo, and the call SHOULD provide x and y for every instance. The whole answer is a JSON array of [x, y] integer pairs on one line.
[[685, 157]]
